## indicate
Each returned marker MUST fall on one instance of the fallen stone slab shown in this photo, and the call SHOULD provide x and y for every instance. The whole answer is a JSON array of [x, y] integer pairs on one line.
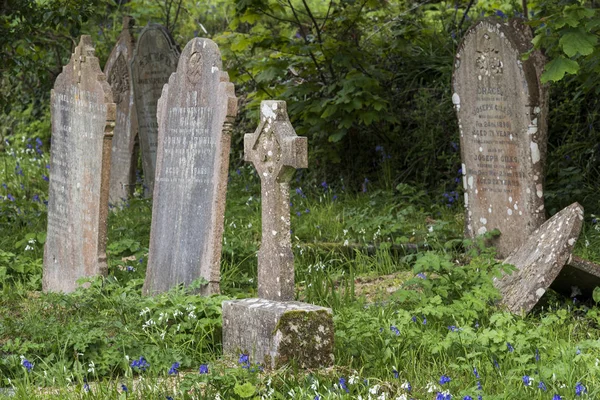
[[577, 279], [276, 333], [540, 260]]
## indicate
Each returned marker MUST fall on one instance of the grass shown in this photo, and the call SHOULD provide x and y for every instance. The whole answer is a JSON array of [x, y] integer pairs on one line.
[[359, 254]]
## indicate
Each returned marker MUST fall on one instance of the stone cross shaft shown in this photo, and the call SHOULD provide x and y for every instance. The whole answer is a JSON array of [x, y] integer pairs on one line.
[[276, 153]]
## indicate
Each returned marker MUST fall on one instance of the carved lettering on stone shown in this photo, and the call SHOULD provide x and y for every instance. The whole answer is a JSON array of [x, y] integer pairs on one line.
[[124, 152], [154, 60], [502, 110], [83, 115], [195, 115]]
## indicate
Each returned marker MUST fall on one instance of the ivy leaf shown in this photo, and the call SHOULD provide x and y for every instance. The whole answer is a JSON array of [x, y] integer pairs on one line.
[[578, 41], [557, 68], [596, 294]]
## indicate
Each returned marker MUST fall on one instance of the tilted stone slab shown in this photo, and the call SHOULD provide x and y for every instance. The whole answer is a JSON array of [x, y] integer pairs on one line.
[[124, 154], [502, 111], [195, 116], [276, 333], [540, 259], [154, 60], [83, 115]]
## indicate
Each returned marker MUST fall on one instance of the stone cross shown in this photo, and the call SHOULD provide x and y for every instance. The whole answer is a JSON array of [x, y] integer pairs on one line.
[[276, 153]]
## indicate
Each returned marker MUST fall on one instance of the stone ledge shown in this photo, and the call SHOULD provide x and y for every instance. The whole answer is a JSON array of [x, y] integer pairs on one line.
[[275, 333]]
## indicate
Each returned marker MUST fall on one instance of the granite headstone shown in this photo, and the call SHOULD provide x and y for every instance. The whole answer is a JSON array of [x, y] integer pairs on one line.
[[273, 329], [124, 155], [154, 60], [540, 260], [83, 119], [502, 111], [195, 115]]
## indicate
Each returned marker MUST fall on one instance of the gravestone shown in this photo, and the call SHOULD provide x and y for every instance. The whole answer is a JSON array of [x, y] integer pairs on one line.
[[83, 115], [502, 111], [273, 329], [540, 260], [124, 155], [154, 60], [195, 116]]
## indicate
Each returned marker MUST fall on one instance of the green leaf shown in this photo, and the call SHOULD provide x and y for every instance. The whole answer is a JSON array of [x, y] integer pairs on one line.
[[557, 68], [578, 41], [596, 294], [244, 391]]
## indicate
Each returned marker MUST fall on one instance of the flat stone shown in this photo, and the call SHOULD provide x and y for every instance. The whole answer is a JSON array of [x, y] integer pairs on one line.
[[277, 333], [124, 149], [83, 119], [578, 278], [154, 60], [502, 112], [540, 260], [195, 116]]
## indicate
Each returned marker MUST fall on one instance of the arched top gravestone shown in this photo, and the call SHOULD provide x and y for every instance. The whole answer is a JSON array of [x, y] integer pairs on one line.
[[154, 59], [195, 113], [118, 74], [83, 115], [502, 110]]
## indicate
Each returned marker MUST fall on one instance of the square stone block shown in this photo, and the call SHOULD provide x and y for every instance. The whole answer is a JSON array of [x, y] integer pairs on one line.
[[275, 333]]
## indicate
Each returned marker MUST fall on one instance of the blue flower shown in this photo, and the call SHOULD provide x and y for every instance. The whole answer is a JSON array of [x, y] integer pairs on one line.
[[343, 386], [203, 369], [27, 364], [526, 380], [124, 388], [378, 148], [244, 360], [537, 355], [542, 386], [580, 389], [300, 192], [467, 398], [578, 351], [10, 197], [141, 364], [496, 363], [414, 319], [556, 397], [86, 387], [396, 373], [395, 330], [334, 197], [479, 387], [424, 320], [476, 373], [130, 268], [298, 213], [453, 328], [173, 369], [317, 397], [500, 14], [44, 177], [422, 275], [324, 185], [35, 198], [444, 379], [510, 347]]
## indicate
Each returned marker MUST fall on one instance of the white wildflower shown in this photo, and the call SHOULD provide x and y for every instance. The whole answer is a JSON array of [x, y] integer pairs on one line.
[[145, 311], [92, 367], [402, 397], [374, 389]]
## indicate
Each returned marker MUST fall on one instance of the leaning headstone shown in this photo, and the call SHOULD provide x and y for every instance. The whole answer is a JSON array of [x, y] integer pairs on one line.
[[154, 60], [124, 156], [540, 260], [195, 116], [502, 111], [83, 115], [273, 329]]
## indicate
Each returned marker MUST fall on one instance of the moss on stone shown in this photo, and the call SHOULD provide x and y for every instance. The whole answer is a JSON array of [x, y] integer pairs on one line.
[[306, 338]]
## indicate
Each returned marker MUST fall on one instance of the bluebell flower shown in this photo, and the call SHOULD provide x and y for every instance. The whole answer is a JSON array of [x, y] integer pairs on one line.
[[424, 320], [479, 387], [496, 363], [526, 380], [19, 170], [500, 14], [10, 197], [396, 373], [130, 268], [556, 397], [38, 141], [334, 197], [203, 369], [86, 387], [44, 177], [395, 330], [453, 328], [422, 275], [537, 355], [317, 397], [580, 389], [467, 398], [444, 379], [169, 398], [476, 373], [27, 364], [414, 319], [510, 347], [578, 352], [244, 360], [300, 192], [343, 386], [476, 324], [141, 364], [324, 185], [542, 386], [298, 213], [173, 370], [237, 171], [4, 186], [123, 387], [306, 211]]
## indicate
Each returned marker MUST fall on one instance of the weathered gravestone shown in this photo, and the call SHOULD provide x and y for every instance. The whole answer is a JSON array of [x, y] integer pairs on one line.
[[154, 60], [272, 329], [195, 113], [124, 156], [502, 110], [83, 115], [540, 260]]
